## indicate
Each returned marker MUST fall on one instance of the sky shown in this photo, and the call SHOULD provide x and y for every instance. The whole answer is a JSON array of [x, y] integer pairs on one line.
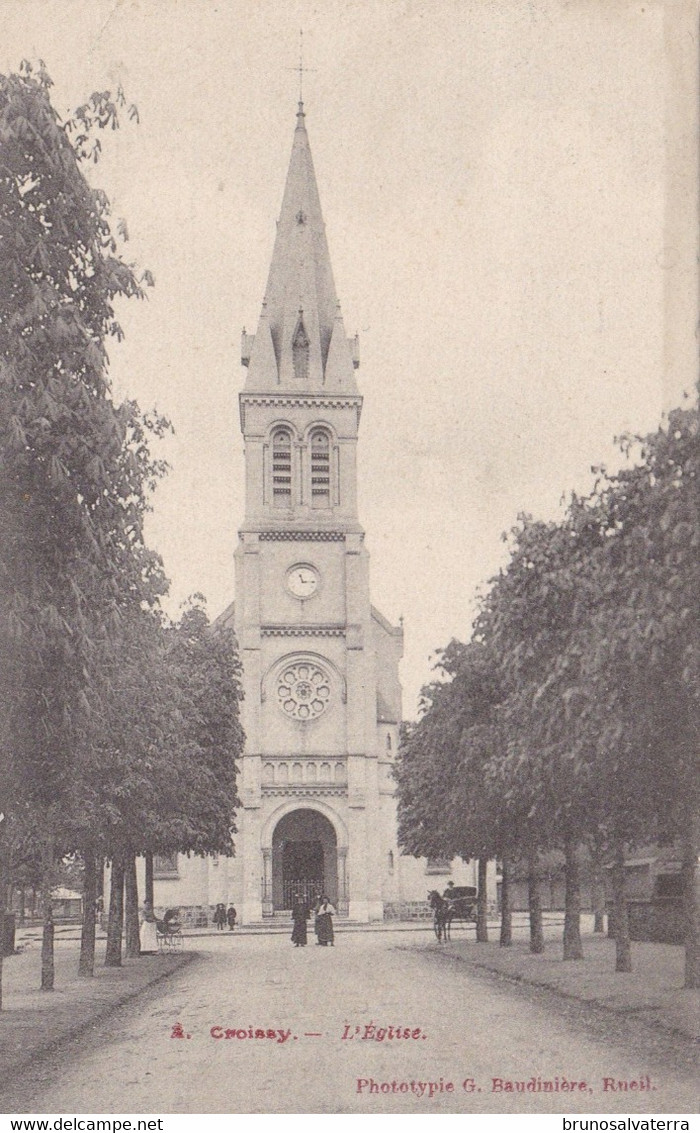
[[494, 178]]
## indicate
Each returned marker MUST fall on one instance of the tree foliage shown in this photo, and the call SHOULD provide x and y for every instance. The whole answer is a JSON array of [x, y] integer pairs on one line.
[[76, 467], [446, 804], [118, 731], [157, 770]]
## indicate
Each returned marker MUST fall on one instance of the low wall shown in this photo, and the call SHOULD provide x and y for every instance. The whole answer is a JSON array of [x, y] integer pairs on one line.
[[407, 911], [189, 916], [552, 896]]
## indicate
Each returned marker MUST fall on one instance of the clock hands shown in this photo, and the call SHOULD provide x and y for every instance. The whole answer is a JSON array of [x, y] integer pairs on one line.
[[302, 581]]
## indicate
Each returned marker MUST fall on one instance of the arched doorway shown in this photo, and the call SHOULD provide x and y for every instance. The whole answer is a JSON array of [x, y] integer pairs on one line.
[[304, 858]]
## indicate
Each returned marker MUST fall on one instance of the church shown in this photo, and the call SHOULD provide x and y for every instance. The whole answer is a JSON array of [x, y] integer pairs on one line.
[[322, 703]]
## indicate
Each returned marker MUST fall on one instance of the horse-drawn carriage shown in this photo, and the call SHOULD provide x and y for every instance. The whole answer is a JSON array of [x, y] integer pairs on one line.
[[458, 903]]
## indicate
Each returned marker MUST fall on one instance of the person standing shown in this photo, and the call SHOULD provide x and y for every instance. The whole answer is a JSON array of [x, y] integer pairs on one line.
[[220, 916], [300, 915], [231, 917], [324, 922], [148, 938]]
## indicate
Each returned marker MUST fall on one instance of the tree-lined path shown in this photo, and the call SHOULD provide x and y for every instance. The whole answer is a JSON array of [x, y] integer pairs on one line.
[[475, 1028]]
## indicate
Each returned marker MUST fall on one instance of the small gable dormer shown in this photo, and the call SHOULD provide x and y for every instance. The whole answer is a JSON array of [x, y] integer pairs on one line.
[[300, 350]]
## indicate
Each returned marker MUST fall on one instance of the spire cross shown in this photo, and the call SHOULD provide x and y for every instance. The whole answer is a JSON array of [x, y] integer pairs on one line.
[[301, 69]]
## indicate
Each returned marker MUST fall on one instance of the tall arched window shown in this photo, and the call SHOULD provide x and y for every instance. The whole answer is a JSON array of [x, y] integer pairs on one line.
[[320, 469], [282, 468]]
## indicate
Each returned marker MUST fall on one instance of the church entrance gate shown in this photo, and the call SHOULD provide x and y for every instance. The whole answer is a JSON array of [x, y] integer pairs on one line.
[[304, 859]]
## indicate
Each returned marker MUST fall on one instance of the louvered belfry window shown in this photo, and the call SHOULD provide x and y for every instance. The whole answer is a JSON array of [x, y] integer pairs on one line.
[[320, 469], [282, 468]]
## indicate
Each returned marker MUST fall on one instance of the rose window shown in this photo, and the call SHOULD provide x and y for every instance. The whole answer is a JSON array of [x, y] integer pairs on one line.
[[303, 690]]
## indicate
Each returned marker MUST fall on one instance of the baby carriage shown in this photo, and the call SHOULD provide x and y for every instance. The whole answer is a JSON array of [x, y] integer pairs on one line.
[[169, 930]]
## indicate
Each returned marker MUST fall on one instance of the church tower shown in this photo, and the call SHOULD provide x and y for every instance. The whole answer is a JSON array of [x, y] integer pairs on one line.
[[320, 664], [322, 699]]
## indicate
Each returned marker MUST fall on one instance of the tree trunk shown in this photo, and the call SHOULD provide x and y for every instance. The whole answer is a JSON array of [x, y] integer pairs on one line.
[[598, 886], [47, 958], [131, 909], [100, 917], [5, 875], [534, 902], [148, 883], [573, 948], [691, 910], [2, 904], [623, 951], [113, 955], [506, 911], [482, 932], [611, 934], [86, 963]]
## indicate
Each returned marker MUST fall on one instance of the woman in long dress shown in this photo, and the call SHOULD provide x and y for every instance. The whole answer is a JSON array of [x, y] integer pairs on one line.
[[300, 915], [220, 916], [148, 940], [324, 922]]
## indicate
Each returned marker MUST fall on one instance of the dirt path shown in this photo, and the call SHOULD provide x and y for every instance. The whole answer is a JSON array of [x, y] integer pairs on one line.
[[464, 1029]]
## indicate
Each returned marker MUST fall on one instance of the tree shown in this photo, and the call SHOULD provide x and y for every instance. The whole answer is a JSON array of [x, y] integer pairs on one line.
[[641, 669], [426, 763], [76, 467], [531, 617], [447, 804], [208, 672], [158, 773]]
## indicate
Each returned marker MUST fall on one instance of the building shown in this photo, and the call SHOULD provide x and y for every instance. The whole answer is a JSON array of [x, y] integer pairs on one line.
[[322, 700]]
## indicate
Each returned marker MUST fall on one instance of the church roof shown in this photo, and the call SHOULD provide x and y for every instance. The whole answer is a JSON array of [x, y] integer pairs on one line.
[[300, 342], [226, 617], [394, 631]]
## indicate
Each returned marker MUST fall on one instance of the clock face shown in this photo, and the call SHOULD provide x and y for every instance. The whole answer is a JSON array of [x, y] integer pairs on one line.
[[302, 580]]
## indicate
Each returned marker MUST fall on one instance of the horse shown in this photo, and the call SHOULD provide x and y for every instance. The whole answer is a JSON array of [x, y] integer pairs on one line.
[[443, 912]]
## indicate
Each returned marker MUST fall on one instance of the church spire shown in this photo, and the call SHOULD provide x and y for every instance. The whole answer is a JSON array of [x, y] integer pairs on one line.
[[301, 342]]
